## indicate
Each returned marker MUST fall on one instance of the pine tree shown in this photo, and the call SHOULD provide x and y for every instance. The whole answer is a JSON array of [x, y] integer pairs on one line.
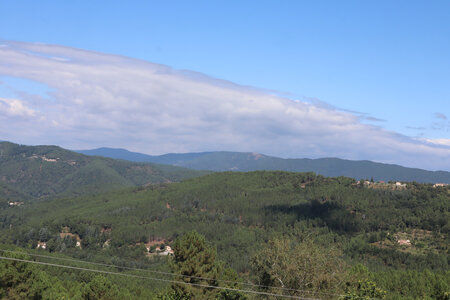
[[194, 258]]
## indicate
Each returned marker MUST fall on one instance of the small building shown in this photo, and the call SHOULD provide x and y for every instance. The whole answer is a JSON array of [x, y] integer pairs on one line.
[[167, 251], [41, 245], [404, 242], [50, 159], [440, 184]]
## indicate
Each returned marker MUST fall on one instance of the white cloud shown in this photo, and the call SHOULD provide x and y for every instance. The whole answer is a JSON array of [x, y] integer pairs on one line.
[[445, 142], [106, 100], [15, 108]]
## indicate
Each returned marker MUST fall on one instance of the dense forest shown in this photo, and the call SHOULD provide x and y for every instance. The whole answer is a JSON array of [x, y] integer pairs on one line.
[[262, 234]]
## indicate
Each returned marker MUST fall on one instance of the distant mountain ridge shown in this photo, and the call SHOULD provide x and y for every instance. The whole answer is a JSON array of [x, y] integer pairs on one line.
[[39, 172], [242, 161]]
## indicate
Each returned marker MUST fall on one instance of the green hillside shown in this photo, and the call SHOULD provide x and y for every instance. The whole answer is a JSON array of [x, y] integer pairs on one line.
[[239, 213], [39, 172], [246, 208], [9, 194], [243, 162]]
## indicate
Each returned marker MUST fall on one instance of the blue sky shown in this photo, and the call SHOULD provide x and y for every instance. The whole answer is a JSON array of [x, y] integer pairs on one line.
[[385, 62]]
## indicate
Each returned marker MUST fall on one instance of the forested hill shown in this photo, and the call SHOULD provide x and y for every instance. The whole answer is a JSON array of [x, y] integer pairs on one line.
[[263, 223], [238, 161], [32, 172]]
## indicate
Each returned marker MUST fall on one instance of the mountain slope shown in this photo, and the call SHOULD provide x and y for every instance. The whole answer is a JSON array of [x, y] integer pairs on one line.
[[170, 158], [238, 161], [239, 212], [45, 171]]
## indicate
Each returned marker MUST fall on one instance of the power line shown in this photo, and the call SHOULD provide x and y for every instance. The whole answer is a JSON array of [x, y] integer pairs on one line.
[[171, 274], [157, 279]]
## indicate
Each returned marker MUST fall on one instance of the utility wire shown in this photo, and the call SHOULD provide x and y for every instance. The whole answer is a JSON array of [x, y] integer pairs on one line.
[[157, 279], [174, 274], [170, 274]]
